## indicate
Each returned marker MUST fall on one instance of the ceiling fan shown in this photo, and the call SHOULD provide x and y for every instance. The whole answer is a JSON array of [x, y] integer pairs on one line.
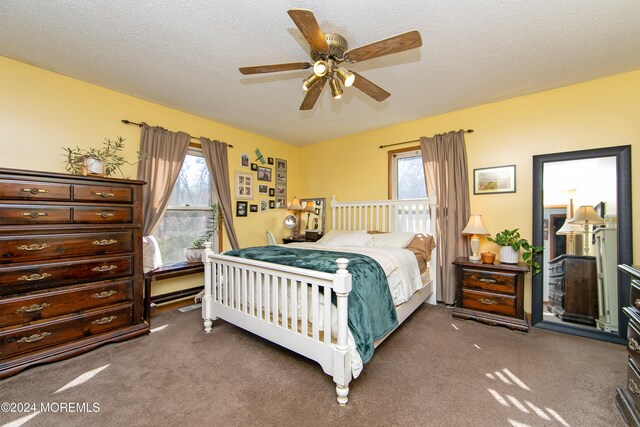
[[328, 50]]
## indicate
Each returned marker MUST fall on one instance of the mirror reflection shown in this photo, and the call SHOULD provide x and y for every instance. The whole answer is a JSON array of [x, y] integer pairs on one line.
[[312, 215]]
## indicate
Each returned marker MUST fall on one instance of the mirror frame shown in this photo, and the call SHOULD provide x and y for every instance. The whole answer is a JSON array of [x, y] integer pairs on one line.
[[625, 238], [324, 211]]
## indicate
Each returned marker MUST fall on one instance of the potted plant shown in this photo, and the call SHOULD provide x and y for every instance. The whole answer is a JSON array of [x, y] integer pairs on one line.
[[105, 161], [510, 243], [194, 253]]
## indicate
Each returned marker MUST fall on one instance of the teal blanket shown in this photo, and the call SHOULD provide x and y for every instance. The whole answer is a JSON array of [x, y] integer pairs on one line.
[[372, 314]]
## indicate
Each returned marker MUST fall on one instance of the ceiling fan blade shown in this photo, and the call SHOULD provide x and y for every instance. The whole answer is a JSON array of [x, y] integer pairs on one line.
[[384, 47], [371, 89], [308, 26], [312, 95], [275, 67]]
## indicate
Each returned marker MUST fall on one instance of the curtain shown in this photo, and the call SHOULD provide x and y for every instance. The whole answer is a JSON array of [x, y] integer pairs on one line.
[[446, 175], [215, 154], [165, 152]]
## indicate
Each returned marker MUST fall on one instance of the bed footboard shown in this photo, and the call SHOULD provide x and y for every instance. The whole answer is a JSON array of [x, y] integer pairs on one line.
[[286, 305]]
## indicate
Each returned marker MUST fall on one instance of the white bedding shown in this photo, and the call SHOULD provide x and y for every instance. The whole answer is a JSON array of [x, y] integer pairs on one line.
[[403, 276]]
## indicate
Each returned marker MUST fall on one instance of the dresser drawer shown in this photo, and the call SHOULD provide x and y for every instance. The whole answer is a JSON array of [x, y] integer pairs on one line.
[[557, 267], [489, 281], [633, 343], [48, 333], [63, 301], [101, 193], [104, 215], [51, 246], [488, 302], [634, 298], [34, 190], [42, 276], [34, 214]]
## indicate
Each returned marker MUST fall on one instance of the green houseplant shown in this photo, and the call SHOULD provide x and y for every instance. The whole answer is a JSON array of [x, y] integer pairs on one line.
[[106, 160], [511, 239], [194, 253]]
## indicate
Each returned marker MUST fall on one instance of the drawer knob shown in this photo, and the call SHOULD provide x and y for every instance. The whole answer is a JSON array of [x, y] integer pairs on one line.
[[34, 277], [633, 387], [103, 214], [34, 247], [104, 194], [488, 280], [33, 308], [34, 214], [35, 337], [104, 320], [633, 344], [105, 294], [104, 268], [637, 303], [488, 301], [104, 242], [34, 190]]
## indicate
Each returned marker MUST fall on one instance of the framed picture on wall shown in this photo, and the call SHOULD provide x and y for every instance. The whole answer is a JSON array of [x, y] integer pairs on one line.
[[241, 208], [501, 179], [264, 174], [253, 208], [244, 186]]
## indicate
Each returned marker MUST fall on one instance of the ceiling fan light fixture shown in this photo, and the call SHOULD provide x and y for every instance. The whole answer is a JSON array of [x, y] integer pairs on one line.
[[310, 81], [320, 68], [346, 76], [336, 90]]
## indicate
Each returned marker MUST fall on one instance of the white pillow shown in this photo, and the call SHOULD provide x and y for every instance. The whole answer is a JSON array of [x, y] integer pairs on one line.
[[399, 239], [328, 236], [350, 238], [150, 254]]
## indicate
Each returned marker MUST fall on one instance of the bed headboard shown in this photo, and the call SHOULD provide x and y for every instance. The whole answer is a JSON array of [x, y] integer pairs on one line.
[[416, 215]]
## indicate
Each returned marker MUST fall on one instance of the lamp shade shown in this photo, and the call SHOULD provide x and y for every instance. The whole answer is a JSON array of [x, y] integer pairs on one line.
[[586, 215], [475, 226], [309, 207], [568, 228], [295, 205]]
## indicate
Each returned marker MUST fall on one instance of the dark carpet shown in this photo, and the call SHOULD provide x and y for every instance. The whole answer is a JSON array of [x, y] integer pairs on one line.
[[428, 373]]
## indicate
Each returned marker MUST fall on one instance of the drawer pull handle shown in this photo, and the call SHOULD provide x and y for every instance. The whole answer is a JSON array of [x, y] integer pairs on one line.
[[105, 294], [104, 268], [488, 301], [34, 190], [103, 214], [637, 303], [104, 320], [104, 194], [634, 345], [488, 280], [34, 214], [633, 387], [34, 277], [104, 242], [34, 337], [34, 247], [33, 308]]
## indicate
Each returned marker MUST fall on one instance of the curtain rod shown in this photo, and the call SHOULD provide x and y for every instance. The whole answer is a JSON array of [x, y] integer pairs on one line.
[[413, 140], [129, 122]]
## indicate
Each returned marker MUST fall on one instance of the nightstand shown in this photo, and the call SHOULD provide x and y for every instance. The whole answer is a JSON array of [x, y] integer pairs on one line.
[[491, 293], [295, 239]]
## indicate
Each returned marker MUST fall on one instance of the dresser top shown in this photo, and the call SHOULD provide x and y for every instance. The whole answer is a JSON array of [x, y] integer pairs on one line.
[[29, 174]]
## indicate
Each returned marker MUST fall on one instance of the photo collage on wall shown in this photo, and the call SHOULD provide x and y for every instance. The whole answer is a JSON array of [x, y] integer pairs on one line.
[[268, 184]]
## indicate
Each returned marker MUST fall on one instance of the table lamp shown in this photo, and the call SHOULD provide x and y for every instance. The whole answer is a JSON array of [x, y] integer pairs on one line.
[[586, 216], [475, 228], [570, 230], [309, 209], [296, 207]]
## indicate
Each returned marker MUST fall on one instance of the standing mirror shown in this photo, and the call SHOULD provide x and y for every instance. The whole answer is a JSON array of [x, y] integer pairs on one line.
[[582, 218], [312, 215]]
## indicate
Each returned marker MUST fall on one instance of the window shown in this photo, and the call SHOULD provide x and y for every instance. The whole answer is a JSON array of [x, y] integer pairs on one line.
[[406, 174], [189, 208]]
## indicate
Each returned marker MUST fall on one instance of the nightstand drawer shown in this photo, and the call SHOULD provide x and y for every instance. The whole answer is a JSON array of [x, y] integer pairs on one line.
[[489, 281], [489, 302]]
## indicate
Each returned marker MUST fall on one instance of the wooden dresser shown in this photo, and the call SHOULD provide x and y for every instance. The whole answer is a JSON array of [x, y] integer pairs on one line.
[[628, 398], [70, 265], [573, 289], [491, 293]]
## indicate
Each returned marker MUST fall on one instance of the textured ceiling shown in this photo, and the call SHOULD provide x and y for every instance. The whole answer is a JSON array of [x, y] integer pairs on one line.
[[186, 54]]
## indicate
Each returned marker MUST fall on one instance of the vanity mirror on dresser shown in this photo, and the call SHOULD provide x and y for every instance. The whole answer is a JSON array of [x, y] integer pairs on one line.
[[71, 265]]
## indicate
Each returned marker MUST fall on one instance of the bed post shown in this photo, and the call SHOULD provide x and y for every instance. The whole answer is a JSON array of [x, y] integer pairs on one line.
[[207, 299], [342, 353]]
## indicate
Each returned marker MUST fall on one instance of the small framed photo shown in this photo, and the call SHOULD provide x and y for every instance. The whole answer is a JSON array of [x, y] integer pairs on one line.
[[281, 202], [253, 208], [263, 189], [270, 160], [501, 179], [264, 205], [244, 186], [281, 176], [241, 208], [281, 190], [281, 165], [264, 174], [272, 204], [254, 167], [272, 192], [244, 160]]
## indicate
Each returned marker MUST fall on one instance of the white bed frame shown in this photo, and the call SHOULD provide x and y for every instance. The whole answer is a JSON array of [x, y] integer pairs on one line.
[[263, 297]]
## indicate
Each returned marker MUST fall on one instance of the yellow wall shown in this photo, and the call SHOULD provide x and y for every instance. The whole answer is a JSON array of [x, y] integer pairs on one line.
[[599, 113]]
